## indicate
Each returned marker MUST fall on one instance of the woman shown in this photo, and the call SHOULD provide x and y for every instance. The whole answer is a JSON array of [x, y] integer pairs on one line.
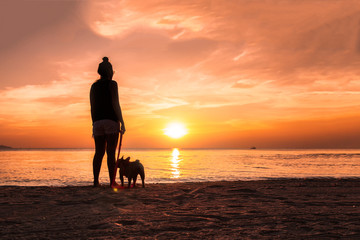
[[106, 117]]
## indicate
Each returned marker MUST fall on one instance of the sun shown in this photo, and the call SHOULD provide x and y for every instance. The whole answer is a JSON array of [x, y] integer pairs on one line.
[[175, 130]]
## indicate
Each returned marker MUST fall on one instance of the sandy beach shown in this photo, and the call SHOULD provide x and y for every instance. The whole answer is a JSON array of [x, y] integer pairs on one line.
[[276, 209]]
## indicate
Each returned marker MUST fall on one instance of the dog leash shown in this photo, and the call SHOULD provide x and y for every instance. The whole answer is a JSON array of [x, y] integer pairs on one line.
[[117, 161]]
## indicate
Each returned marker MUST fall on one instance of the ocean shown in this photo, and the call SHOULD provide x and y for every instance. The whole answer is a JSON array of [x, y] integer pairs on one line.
[[73, 167]]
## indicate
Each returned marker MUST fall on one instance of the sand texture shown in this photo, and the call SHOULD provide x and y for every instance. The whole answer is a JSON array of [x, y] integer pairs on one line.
[[276, 209]]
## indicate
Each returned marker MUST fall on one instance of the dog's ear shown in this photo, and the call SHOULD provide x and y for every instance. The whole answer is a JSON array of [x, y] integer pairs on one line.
[[122, 158], [127, 159]]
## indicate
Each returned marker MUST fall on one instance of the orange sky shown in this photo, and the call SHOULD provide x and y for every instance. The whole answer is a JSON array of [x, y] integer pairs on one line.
[[271, 74]]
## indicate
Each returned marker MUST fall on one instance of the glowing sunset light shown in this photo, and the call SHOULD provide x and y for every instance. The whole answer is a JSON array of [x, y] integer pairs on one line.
[[240, 73], [175, 130], [175, 163]]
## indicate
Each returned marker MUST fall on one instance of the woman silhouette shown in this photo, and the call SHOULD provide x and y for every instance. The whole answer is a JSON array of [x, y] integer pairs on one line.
[[106, 117]]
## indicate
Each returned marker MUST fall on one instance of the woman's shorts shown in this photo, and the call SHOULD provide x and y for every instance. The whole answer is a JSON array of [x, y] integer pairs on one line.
[[105, 127]]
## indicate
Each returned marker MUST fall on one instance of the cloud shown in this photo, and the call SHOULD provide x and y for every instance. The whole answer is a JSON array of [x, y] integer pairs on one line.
[[118, 18], [244, 84], [53, 102]]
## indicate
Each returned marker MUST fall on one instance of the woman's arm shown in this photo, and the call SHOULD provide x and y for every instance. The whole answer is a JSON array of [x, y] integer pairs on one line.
[[116, 104], [92, 103]]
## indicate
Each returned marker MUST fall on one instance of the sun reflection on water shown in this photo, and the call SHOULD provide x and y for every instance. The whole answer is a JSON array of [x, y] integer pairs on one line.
[[175, 160]]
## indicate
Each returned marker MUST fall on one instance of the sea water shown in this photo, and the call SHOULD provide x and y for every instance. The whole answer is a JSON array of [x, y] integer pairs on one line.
[[64, 167]]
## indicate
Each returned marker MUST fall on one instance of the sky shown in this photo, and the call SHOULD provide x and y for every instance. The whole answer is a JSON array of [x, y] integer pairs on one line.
[[237, 74]]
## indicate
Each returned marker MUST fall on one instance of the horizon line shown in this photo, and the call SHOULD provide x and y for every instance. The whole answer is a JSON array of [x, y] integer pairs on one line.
[[186, 148]]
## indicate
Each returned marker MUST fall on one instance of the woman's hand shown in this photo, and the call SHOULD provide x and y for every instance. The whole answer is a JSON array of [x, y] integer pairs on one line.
[[122, 130]]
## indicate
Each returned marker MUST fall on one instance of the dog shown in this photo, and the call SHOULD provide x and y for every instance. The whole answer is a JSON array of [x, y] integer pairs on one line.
[[131, 171]]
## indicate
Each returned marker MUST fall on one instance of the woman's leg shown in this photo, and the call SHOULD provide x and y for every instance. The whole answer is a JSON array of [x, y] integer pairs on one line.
[[111, 140], [100, 143]]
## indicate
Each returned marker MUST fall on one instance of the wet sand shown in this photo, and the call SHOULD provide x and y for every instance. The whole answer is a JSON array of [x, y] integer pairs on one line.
[[276, 209]]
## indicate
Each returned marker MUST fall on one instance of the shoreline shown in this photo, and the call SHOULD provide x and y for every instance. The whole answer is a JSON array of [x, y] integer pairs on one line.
[[281, 208], [103, 185]]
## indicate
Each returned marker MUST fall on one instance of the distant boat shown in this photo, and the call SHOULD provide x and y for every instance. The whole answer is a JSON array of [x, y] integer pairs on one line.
[[253, 148]]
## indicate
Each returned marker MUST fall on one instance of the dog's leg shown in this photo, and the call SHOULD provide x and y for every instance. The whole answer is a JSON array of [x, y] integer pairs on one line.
[[142, 175], [121, 179], [129, 181], [143, 181], [135, 178]]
